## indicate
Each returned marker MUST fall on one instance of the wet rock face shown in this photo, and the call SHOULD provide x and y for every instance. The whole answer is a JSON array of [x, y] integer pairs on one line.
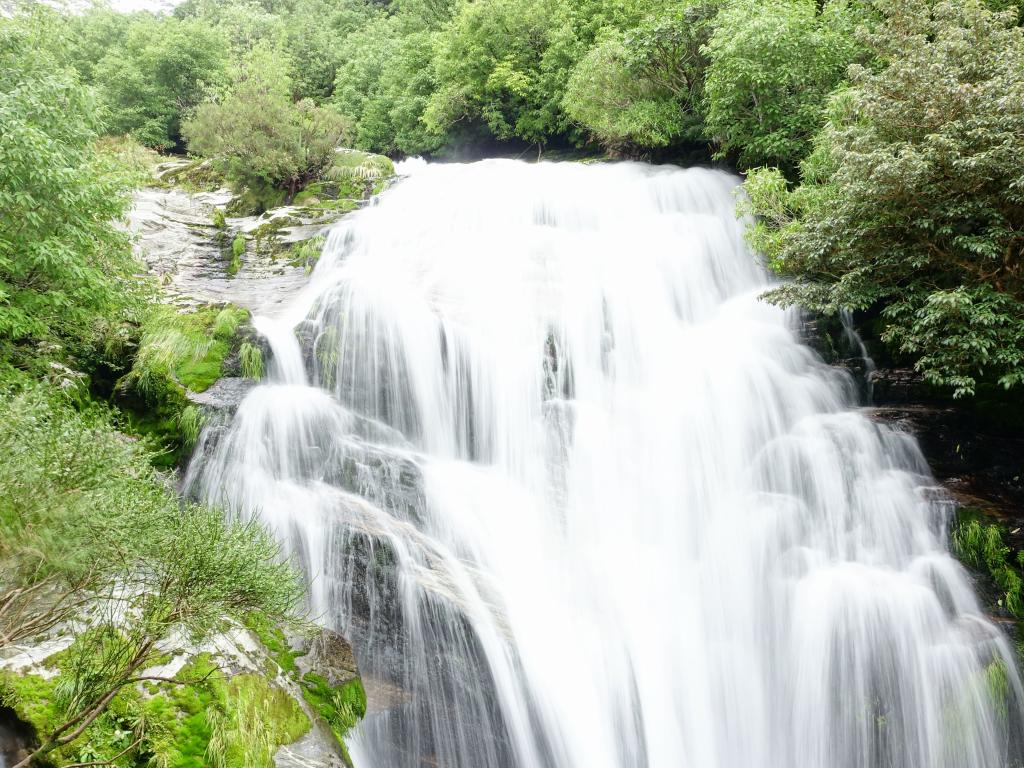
[[331, 657], [979, 467], [15, 737], [224, 396], [979, 460]]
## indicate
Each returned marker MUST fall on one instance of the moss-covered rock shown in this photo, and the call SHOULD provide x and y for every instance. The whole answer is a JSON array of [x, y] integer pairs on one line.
[[253, 202], [192, 176], [324, 668], [211, 716], [180, 351]]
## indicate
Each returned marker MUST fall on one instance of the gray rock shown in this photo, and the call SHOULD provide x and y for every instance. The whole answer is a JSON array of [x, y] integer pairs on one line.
[[224, 396], [330, 656]]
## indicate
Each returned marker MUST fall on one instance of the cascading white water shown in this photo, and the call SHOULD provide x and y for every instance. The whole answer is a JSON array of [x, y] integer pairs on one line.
[[580, 499]]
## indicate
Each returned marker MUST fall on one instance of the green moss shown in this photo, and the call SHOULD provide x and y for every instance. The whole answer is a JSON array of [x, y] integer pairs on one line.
[[330, 207], [219, 220], [274, 641], [178, 352], [197, 176], [253, 202], [237, 722], [207, 720], [340, 707], [31, 697], [34, 700]]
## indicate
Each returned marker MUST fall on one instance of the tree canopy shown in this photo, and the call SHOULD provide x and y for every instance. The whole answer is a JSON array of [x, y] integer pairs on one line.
[[913, 197], [878, 135], [67, 274]]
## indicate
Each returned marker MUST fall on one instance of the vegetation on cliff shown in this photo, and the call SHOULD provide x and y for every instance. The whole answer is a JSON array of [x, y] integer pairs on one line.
[[912, 201], [94, 545], [104, 572], [881, 135], [67, 286]]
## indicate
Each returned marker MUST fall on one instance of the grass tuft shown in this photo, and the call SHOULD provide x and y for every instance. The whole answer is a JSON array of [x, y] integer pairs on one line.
[[251, 361]]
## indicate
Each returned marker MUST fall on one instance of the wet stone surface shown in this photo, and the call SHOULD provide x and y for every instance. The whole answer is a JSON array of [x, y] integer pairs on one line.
[[177, 239], [14, 737]]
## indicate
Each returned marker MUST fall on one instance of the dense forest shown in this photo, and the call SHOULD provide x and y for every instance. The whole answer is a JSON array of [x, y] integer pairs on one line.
[[881, 139], [881, 143]]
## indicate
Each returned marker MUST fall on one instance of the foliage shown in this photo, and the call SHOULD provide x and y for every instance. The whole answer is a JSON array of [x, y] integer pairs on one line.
[[307, 253], [158, 73], [199, 717], [86, 523], [771, 68], [489, 64], [179, 351], [644, 86], [256, 721], [190, 424], [981, 546], [251, 361], [384, 83], [67, 282], [341, 707], [258, 136], [218, 218], [73, 496], [913, 199]]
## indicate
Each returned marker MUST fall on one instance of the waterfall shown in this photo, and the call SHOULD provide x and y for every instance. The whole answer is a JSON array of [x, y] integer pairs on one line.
[[580, 499]]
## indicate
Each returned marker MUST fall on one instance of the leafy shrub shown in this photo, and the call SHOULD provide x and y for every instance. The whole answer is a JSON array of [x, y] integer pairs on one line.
[[258, 136], [644, 87], [68, 282], [771, 68], [913, 199]]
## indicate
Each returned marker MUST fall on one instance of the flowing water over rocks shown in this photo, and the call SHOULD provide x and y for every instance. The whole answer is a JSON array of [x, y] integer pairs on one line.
[[578, 498]]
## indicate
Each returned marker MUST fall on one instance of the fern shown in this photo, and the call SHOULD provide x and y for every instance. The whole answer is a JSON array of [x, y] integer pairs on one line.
[[372, 168]]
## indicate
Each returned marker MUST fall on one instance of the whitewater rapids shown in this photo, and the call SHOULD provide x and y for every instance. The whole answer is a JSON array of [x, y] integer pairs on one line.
[[580, 499]]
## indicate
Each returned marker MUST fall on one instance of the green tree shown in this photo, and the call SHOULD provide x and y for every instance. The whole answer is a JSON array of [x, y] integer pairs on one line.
[[161, 71], [489, 67], [643, 87], [261, 139], [771, 68], [913, 199], [67, 274], [384, 85], [89, 36], [314, 35]]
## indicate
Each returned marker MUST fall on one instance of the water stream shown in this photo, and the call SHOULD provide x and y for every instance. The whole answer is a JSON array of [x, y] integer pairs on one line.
[[579, 499]]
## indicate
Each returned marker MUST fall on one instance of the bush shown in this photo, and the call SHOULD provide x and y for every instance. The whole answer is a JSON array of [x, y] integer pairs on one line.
[[88, 529], [68, 284], [771, 69], [913, 199], [644, 87], [259, 137], [160, 71]]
